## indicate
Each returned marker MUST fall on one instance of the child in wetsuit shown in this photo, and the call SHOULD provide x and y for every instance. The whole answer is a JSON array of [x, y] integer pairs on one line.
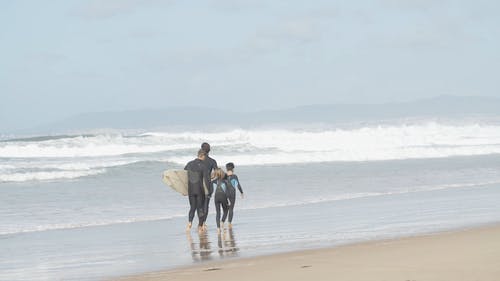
[[233, 184], [220, 187]]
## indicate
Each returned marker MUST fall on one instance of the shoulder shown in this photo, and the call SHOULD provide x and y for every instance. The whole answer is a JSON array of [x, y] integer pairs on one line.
[[212, 161]]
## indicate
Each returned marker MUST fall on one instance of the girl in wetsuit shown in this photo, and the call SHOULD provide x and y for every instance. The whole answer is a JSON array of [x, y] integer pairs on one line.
[[220, 187]]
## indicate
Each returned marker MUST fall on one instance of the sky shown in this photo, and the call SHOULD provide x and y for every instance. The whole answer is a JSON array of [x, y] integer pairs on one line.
[[60, 58]]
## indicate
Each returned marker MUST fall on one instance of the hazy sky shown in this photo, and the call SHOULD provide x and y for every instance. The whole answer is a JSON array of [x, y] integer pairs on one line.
[[63, 57]]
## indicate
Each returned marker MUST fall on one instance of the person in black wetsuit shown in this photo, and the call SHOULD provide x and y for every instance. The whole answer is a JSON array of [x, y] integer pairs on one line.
[[197, 177], [234, 183], [220, 187], [209, 161], [211, 165]]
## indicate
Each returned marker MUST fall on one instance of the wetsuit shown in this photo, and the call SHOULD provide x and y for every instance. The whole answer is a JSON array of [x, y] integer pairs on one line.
[[197, 175], [220, 198], [210, 164], [234, 183]]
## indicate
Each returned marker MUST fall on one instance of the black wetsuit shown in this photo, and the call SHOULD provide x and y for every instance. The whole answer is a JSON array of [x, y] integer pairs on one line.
[[197, 174], [220, 198], [210, 164], [234, 183]]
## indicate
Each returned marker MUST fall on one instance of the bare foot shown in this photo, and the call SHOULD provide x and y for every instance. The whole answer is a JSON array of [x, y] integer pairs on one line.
[[218, 230], [222, 225], [230, 225], [188, 227], [200, 229]]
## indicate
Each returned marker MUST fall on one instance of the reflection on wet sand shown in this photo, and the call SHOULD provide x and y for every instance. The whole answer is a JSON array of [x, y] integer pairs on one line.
[[227, 243], [200, 251]]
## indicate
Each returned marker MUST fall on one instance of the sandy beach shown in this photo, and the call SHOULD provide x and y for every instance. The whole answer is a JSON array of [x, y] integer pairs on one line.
[[468, 255]]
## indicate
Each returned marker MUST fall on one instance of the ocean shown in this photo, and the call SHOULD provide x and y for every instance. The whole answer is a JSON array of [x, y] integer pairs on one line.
[[92, 206]]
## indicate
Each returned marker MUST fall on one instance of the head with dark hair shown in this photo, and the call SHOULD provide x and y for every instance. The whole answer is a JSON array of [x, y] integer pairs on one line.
[[206, 147], [230, 166]]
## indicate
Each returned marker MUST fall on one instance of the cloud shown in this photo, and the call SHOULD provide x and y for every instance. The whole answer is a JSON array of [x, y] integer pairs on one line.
[[238, 5], [293, 31], [412, 5], [289, 34], [435, 24], [285, 34], [99, 9], [48, 58]]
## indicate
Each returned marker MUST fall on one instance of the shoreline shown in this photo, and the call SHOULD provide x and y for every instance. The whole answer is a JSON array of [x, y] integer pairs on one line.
[[471, 253]]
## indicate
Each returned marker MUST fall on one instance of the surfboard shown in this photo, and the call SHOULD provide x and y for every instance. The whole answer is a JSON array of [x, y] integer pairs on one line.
[[177, 180]]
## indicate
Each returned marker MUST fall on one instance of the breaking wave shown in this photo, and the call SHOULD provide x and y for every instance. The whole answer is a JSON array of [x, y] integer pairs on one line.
[[77, 156]]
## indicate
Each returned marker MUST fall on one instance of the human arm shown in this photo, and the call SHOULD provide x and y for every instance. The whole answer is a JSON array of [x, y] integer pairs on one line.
[[238, 185]]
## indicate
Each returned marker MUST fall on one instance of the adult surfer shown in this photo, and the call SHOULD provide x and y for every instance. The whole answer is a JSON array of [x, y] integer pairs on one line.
[[197, 177], [209, 161], [211, 165]]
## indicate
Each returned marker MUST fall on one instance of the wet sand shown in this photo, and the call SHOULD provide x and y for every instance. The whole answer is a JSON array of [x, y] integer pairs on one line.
[[471, 255]]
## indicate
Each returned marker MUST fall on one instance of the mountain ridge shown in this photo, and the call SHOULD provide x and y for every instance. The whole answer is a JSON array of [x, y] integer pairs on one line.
[[441, 106]]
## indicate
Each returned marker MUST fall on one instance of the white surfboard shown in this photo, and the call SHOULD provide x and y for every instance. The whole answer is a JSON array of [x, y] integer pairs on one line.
[[177, 180]]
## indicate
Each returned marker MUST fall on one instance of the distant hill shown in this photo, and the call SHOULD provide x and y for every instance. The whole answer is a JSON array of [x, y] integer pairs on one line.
[[442, 106]]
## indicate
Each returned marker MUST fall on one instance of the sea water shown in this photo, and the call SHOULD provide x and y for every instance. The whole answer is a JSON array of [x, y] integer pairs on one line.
[[92, 206]]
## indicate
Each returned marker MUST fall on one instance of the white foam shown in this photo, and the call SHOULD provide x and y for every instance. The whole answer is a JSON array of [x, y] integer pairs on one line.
[[81, 164], [56, 169], [7, 167], [361, 143], [82, 154], [46, 176], [85, 147], [60, 226], [430, 140], [367, 143], [350, 196]]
